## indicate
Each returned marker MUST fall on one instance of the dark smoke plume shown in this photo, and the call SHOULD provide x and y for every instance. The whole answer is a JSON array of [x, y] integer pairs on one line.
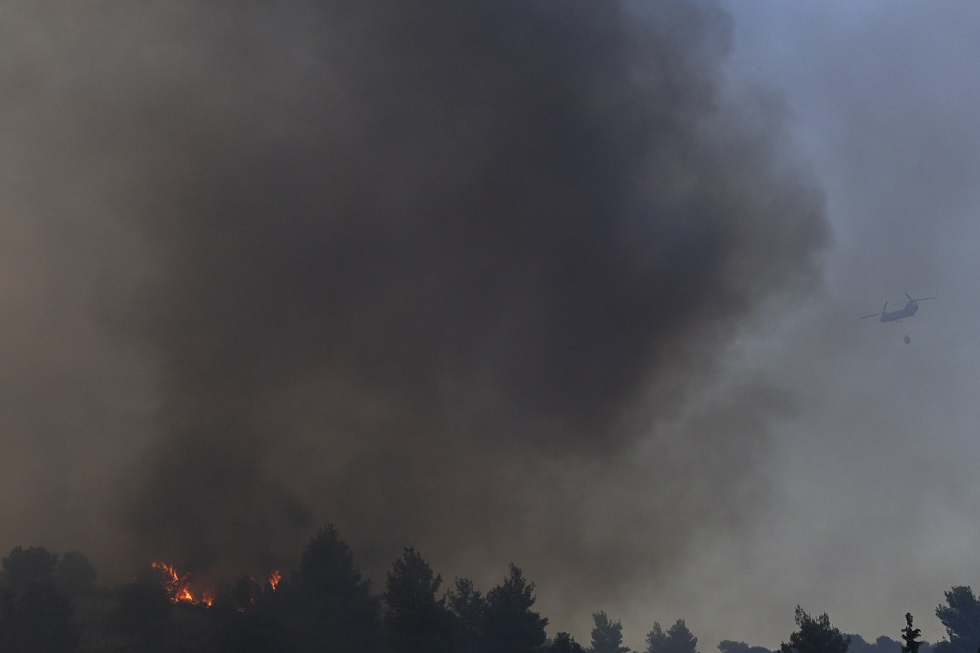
[[434, 271]]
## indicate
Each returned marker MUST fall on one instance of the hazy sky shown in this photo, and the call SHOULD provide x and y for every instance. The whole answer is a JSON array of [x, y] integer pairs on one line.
[[875, 504], [567, 284]]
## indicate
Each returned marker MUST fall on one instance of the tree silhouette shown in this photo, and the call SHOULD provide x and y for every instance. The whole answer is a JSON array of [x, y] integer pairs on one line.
[[510, 625], [74, 574], [37, 620], [24, 567], [607, 635], [961, 617], [467, 608], [500, 622], [910, 636], [244, 595], [34, 616], [247, 620], [882, 644], [331, 606], [144, 612], [677, 639], [565, 643], [815, 636], [415, 621], [730, 646], [682, 640]]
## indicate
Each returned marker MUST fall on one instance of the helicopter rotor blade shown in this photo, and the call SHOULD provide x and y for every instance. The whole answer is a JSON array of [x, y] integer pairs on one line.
[[882, 312], [922, 299]]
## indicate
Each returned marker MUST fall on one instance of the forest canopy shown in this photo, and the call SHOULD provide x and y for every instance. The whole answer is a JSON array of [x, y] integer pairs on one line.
[[52, 602]]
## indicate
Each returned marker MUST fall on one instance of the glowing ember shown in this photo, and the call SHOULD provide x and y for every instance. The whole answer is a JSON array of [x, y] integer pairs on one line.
[[274, 579]]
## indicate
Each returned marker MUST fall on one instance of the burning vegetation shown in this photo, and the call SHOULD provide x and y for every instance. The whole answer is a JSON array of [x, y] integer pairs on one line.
[[274, 579], [384, 204], [179, 590], [51, 603], [176, 586]]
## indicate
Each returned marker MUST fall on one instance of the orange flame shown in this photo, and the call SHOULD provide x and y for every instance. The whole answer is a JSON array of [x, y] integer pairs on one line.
[[171, 580], [177, 587], [274, 579]]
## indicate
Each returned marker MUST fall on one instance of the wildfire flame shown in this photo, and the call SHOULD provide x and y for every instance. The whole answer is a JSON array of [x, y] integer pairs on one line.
[[177, 586], [274, 579]]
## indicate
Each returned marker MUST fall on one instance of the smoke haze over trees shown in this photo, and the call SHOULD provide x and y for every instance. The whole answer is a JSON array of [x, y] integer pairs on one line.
[[435, 271], [815, 635], [607, 635], [569, 284], [676, 639], [445, 249], [325, 605]]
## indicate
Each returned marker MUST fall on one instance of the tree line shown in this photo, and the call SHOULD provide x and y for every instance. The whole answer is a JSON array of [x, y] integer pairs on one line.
[[52, 603]]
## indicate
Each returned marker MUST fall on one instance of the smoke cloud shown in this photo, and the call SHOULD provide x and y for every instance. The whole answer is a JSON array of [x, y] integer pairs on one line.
[[454, 274]]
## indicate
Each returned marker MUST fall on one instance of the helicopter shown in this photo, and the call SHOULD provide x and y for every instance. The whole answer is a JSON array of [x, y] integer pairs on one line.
[[909, 310]]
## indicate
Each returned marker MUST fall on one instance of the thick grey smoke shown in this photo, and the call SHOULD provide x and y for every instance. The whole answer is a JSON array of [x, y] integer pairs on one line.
[[434, 271]]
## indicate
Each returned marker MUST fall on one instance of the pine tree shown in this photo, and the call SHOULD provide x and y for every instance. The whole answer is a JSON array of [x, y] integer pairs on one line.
[[565, 643], [815, 635], [510, 625], [677, 639], [415, 621], [910, 636], [607, 636], [961, 617]]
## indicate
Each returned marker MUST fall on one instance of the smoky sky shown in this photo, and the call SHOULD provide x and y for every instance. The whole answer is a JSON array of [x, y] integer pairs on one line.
[[876, 511], [453, 274]]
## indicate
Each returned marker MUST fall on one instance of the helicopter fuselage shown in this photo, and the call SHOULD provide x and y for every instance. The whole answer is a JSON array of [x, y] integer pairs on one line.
[[910, 309]]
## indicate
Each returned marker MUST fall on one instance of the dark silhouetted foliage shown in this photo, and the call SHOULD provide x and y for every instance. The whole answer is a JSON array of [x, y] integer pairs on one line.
[[500, 622], [74, 574], [36, 619], [247, 620], [730, 646], [330, 606], [244, 595], [565, 643], [510, 625], [881, 645], [52, 604], [961, 617], [677, 639], [25, 567], [910, 635], [657, 639], [466, 605], [415, 620], [144, 610], [815, 635], [34, 616], [607, 635]]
